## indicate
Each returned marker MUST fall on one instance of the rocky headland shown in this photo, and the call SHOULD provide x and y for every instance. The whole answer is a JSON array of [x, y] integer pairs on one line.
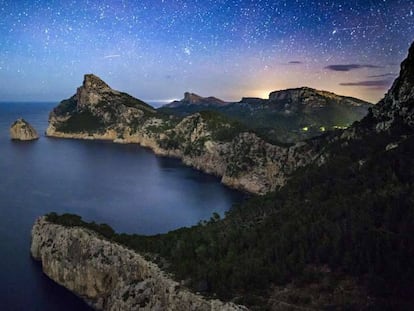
[[206, 141], [109, 276], [22, 130]]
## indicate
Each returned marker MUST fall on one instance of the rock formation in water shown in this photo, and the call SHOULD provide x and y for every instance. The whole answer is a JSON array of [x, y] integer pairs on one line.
[[109, 276], [22, 130], [206, 141]]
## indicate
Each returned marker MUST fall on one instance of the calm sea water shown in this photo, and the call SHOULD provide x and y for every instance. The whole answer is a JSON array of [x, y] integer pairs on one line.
[[125, 186]]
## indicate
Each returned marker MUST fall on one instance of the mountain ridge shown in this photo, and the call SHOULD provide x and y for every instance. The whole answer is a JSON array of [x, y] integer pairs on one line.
[[289, 115]]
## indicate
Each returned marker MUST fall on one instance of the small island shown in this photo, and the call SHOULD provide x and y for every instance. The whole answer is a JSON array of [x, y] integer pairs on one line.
[[22, 130]]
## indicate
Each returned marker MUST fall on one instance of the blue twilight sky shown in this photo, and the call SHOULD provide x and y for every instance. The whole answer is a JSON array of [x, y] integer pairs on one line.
[[158, 49]]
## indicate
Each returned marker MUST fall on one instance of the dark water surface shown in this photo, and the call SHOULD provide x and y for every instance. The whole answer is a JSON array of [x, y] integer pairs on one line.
[[125, 186]]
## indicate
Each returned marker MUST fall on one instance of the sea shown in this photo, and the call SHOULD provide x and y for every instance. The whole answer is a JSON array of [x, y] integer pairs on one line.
[[125, 186]]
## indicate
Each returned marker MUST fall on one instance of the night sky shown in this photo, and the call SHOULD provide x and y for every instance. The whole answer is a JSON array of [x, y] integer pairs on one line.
[[158, 49]]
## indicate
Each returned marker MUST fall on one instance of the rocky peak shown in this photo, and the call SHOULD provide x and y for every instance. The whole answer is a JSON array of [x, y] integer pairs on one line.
[[93, 91], [194, 99], [22, 130], [92, 82], [397, 105], [403, 87], [191, 98]]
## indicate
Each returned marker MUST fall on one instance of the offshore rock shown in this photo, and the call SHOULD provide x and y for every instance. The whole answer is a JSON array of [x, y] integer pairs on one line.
[[109, 276], [22, 130]]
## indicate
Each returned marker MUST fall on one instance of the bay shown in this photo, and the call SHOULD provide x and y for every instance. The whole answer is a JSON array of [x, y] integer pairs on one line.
[[125, 186]]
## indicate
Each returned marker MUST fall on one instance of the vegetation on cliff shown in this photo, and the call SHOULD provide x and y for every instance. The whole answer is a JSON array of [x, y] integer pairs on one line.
[[354, 216]]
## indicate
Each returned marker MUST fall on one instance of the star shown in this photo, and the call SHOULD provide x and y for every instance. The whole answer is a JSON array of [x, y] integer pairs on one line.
[[235, 47], [187, 51]]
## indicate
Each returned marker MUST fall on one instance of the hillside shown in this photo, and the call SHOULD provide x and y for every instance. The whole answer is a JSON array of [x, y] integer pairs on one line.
[[338, 235], [288, 115]]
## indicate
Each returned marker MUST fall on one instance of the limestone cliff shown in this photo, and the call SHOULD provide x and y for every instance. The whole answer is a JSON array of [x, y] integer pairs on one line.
[[22, 130], [206, 141], [109, 276]]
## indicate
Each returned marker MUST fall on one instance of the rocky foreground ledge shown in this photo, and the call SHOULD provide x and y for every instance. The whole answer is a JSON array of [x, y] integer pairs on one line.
[[109, 276]]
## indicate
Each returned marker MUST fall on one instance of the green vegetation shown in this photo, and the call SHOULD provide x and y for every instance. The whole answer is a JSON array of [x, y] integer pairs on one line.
[[66, 106], [354, 214], [223, 128], [83, 121], [171, 142], [270, 121], [133, 102], [70, 220]]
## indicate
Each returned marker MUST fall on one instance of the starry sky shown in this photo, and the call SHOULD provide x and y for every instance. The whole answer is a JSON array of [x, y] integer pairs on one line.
[[158, 49]]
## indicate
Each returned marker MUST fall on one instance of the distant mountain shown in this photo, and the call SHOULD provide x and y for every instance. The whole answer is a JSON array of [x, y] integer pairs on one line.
[[191, 99], [306, 99], [287, 115]]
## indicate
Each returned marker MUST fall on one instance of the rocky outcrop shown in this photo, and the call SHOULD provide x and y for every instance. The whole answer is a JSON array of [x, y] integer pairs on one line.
[[22, 130], [206, 141], [109, 276], [398, 104]]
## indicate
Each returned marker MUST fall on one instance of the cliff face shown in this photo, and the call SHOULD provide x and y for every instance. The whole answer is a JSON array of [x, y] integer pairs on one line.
[[108, 276], [397, 105], [22, 130], [206, 141]]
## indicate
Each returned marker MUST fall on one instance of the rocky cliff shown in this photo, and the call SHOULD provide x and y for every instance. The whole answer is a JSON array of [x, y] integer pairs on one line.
[[206, 141], [22, 130], [398, 104], [109, 276]]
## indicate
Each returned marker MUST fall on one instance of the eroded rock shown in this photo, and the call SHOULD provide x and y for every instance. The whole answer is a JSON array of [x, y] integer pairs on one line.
[[22, 130]]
